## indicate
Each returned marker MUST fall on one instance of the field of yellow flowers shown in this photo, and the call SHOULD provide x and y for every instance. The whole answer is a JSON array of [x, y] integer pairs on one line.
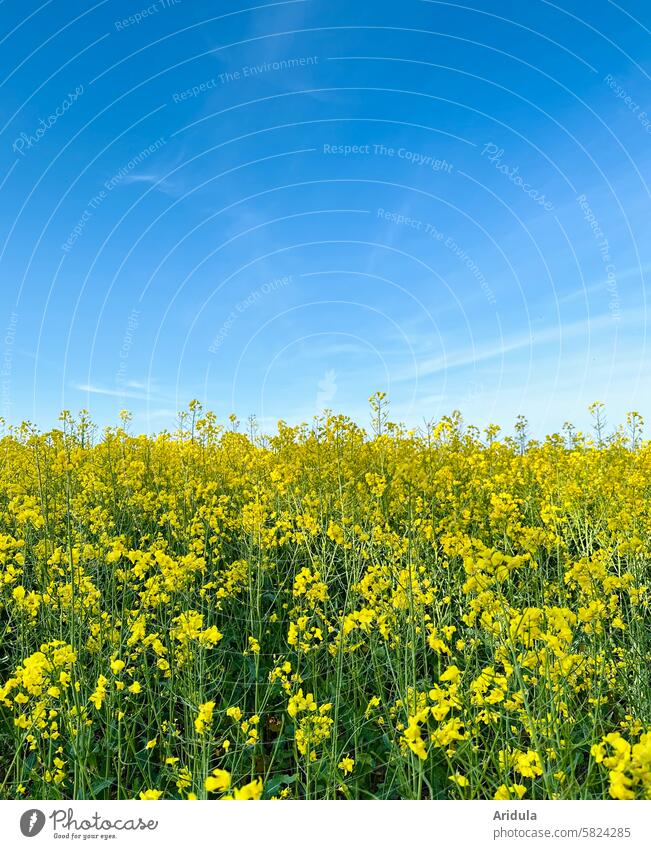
[[324, 613]]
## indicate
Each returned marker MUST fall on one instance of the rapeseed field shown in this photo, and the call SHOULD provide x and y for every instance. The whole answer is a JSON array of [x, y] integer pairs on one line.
[[326, 613]]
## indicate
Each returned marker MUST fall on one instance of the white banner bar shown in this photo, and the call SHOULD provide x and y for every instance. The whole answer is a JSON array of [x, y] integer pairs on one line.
[[324, 825]]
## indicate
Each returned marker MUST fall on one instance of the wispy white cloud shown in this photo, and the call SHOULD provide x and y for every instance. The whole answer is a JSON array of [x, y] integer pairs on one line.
[[533, 339], [94, 389], [600, 285], [159, 182]]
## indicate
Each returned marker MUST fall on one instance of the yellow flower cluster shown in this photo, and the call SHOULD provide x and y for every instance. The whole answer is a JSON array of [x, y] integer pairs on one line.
[[629, 766], [324, 612]]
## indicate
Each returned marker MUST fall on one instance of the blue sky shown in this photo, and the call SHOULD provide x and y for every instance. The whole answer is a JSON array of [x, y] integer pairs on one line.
[[278, 208]]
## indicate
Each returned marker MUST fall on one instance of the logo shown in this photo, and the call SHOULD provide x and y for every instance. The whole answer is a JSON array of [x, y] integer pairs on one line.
[[32, 822]]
